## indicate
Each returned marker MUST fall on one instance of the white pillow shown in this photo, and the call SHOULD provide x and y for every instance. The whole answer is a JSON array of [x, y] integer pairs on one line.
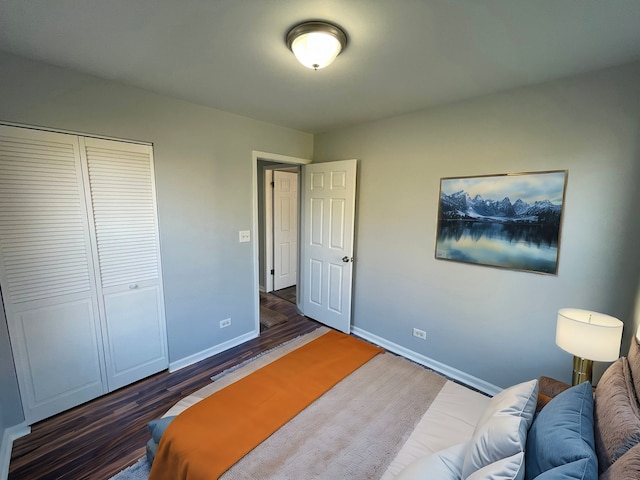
[[509, 468], [502, 430], [443, 465]]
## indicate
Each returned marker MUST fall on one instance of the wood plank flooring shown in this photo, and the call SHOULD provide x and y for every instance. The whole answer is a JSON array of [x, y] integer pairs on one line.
[[288, 294], [100, 438]]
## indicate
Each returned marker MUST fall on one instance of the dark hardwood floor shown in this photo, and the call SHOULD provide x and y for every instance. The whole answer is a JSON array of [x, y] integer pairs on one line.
[[288, 294], [100, 438]]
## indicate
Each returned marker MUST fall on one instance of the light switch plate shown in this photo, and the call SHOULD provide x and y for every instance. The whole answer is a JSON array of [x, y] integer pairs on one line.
[[244, 236]]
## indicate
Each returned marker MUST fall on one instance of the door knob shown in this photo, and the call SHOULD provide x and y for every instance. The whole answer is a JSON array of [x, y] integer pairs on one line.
[[347, 259]]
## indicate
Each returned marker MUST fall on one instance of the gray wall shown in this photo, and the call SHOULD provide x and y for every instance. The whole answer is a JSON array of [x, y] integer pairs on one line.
[[203, 162], [10, 405], [494, 324]]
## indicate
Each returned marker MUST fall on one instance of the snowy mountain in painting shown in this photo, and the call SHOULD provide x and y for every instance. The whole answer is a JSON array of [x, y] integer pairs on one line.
[[461, 206]]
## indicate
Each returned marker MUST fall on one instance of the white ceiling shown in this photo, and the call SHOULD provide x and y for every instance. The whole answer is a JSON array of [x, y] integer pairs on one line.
[[403, 55]]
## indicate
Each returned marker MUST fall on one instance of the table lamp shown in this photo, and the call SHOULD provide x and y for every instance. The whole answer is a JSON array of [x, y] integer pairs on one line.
[[588, 336]]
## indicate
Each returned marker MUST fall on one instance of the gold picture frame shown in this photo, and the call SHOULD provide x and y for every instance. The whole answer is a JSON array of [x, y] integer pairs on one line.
[[506, 220]]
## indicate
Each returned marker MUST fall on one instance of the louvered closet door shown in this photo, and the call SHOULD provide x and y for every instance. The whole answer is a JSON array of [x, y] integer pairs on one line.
[[128, 257], [46, 273]]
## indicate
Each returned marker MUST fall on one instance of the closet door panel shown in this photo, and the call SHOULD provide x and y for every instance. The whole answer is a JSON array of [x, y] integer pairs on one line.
[[57, 346], [136, 345], [124, 220], [46, 272]]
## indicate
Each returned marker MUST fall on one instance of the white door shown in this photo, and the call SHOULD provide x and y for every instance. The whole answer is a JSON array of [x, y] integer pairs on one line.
[[46, 272], [329, 193], [285, 229], [127, 259]]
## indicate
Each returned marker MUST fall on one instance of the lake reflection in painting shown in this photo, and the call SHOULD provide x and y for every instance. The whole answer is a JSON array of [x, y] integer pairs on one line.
[[521, 247], [510, 221]]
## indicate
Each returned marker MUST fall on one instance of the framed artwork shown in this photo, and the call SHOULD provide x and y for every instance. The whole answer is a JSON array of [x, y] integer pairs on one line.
[[508, 221]]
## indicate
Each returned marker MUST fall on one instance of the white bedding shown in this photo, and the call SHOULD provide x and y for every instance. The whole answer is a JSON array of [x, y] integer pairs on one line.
[[449, 420]]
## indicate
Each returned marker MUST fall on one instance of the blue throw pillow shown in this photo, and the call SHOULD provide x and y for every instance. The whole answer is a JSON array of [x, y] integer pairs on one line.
[[560, 443], [152, 449], [157, 427]]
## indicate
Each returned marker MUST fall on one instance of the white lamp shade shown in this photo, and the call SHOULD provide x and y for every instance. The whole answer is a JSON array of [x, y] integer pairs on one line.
[[316, 49], [589, 335]]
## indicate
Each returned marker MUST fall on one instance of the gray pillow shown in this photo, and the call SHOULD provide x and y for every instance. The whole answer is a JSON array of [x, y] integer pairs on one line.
[[617, 420], [627, 467]]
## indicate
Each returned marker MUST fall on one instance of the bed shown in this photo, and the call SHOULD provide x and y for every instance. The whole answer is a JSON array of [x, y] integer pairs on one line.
[[556, 431]]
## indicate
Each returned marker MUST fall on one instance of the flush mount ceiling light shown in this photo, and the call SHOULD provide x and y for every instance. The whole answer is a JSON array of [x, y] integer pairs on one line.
[[316, 44]]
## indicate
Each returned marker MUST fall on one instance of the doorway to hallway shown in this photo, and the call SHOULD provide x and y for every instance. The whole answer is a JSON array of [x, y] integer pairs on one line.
[[325, 250]]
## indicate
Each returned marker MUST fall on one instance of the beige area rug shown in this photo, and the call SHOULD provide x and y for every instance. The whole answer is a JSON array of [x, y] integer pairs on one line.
[[269, 318], [353, 431]]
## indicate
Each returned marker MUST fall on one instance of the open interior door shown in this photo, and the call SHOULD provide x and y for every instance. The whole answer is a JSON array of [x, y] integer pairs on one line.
[[328, 196]]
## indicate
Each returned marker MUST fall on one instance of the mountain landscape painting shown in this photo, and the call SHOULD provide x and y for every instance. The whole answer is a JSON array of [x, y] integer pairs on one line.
[[509, 221]]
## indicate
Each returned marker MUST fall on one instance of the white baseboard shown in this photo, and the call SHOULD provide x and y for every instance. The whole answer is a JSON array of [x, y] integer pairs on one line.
[[210, 352], [445, 370], [10, 434]]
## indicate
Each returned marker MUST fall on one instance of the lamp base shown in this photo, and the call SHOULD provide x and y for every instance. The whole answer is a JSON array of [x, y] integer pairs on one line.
[[582, 370]]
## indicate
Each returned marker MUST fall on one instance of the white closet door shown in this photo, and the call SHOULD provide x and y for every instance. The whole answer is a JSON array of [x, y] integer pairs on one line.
[[46, 273], [124, 220]]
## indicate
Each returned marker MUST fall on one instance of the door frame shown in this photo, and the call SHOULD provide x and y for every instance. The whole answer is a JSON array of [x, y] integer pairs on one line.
[[269, 157], [269, 254]]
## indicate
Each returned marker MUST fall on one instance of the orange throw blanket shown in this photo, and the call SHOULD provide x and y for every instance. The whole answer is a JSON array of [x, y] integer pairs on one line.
[[209, 437]]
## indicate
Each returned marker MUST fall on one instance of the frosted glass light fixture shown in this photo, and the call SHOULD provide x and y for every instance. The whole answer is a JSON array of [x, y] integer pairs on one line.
[[316, 44], [588, 336]]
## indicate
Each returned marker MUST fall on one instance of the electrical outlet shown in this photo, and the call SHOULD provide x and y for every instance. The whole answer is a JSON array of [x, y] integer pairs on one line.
[[244, 236], [225, 323], [419, 333]]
